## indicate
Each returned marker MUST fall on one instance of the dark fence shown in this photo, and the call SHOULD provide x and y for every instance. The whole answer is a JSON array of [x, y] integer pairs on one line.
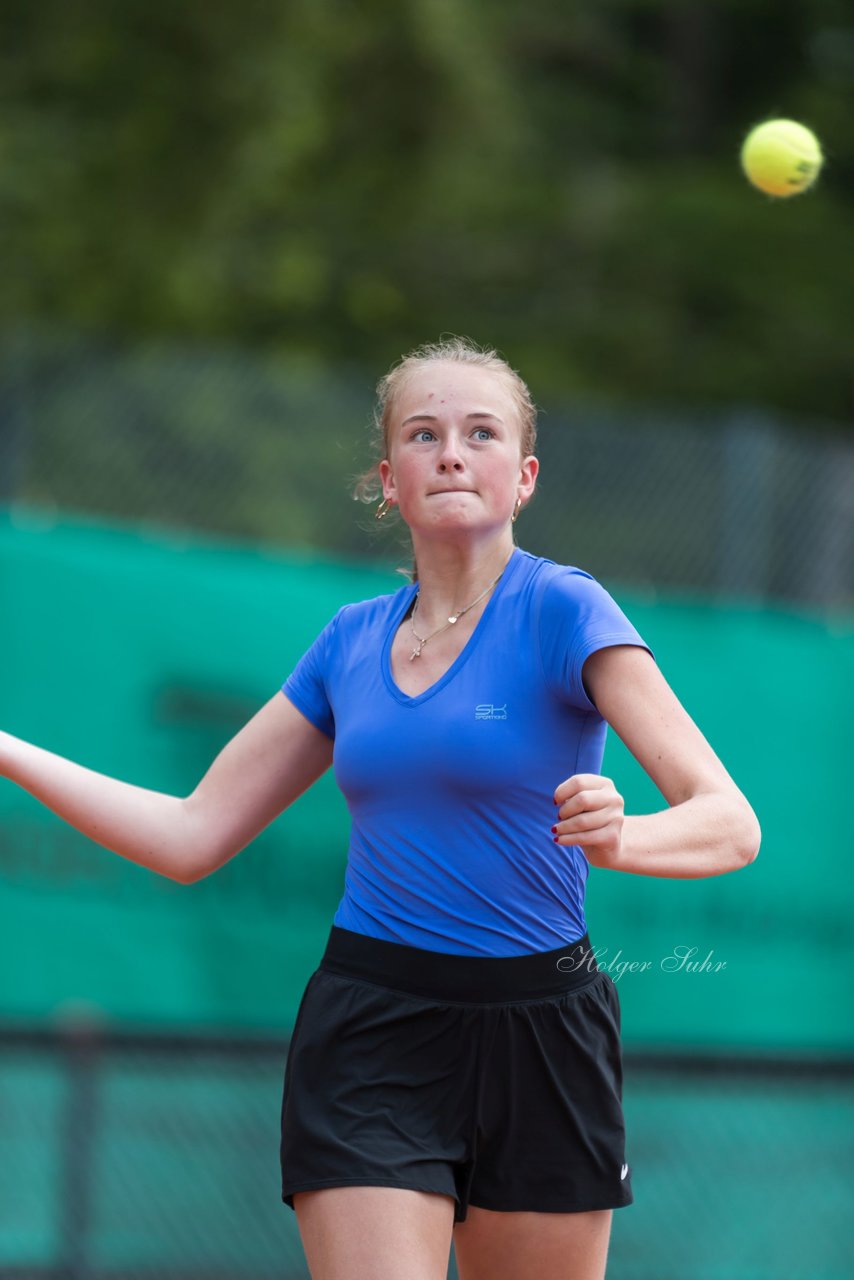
[[732, 503], [131, 1156]]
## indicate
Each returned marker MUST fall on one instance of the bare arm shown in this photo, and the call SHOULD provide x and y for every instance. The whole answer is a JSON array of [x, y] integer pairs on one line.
[[263, 769], [710, 827]]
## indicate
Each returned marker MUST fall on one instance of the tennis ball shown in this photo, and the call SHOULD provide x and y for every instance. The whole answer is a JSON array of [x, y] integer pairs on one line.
[[781, 157]]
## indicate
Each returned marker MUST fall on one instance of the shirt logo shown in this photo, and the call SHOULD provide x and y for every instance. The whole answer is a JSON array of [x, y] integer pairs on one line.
[[623, 1172], [488, 711]]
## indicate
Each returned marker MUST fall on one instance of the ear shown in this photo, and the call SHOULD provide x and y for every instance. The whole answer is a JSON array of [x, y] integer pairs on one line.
[[528, 479], [387, 478]]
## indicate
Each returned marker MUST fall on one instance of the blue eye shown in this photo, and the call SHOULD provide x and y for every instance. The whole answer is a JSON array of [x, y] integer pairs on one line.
[[486, 432], [421, 432]]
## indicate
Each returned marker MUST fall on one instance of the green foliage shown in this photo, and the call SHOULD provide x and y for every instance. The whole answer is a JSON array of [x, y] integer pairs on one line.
[[338, 182]]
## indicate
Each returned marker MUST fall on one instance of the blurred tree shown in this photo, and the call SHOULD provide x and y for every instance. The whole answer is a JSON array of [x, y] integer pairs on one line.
[[343, 181]]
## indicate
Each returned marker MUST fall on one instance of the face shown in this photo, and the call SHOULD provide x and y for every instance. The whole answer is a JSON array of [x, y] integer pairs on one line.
[[454, 460]]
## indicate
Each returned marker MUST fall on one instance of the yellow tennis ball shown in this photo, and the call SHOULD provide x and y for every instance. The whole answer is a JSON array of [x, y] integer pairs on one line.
[[781, 157]]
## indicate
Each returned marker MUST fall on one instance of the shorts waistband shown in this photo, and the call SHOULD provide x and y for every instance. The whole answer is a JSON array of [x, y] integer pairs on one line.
[[440, 975]]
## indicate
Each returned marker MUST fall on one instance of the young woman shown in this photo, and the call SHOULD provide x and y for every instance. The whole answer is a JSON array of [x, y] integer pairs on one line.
[[455, 1068]]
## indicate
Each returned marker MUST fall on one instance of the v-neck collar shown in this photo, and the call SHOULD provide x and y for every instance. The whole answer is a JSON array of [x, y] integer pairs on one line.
[[464, 654]]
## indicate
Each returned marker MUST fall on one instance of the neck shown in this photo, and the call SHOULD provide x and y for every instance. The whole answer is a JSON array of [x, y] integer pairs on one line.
[[450, 578]]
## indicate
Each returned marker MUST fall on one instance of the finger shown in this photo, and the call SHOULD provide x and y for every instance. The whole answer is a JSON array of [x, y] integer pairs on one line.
[[588, 801], [598, 837], [588, 821], [579, 782]]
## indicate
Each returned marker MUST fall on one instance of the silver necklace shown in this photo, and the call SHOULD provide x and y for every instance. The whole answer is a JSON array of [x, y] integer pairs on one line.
[[454, 617]]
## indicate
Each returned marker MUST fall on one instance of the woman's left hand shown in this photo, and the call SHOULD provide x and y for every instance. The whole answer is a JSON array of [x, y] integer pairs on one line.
[[590, 814]]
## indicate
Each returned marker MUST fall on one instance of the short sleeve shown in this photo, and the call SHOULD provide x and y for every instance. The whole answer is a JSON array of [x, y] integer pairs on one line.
[[577, 617], [307, 687]]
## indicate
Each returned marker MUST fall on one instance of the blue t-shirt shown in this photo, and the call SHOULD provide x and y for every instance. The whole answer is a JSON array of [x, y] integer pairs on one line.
[[451, 792]]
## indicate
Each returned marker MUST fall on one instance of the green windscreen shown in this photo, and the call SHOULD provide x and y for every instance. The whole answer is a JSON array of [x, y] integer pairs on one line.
[[139, 655]]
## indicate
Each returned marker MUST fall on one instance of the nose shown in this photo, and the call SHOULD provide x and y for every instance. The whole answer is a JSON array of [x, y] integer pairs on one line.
[[450, 458]]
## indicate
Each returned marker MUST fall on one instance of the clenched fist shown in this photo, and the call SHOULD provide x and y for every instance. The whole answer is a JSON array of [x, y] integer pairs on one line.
[[590, 814]]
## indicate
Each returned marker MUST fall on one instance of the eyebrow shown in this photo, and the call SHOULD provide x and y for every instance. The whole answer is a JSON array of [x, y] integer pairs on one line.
[[431, 417]]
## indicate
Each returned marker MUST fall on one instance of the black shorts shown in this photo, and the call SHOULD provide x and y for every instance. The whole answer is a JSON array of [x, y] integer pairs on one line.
[[497, 1081]]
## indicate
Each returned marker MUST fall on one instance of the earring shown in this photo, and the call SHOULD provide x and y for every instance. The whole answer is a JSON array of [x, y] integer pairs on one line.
[[516, 510], [382, 510]]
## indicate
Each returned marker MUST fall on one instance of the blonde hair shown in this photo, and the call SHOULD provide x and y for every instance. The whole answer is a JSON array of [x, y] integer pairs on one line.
[[453, 350]]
